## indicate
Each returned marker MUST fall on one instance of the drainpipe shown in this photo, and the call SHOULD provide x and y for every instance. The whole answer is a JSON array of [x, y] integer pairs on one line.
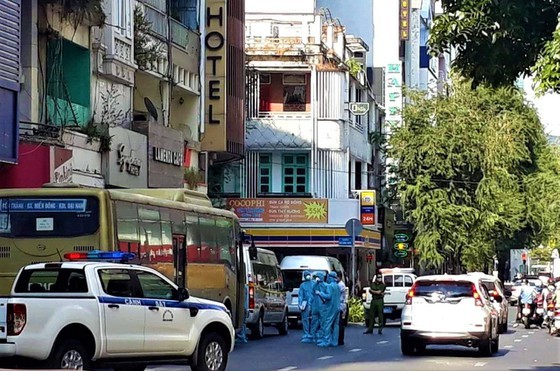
[[313, 169]]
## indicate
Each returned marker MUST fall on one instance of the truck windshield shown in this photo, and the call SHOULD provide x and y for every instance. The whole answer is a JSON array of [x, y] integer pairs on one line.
[[31, 217]]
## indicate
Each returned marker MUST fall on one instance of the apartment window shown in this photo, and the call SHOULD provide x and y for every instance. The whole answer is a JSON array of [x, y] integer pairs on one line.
[[294, 173], [265, 173], [122, 17]]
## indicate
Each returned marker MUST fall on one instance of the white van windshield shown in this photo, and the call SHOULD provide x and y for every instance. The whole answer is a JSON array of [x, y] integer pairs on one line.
[[294, 277]]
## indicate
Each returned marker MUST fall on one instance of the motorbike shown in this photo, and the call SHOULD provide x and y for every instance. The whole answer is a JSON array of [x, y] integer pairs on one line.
[[554, 329], [549, 316], [532, 314]]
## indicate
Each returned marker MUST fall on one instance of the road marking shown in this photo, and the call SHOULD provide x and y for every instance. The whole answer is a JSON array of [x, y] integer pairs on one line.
[[508, 346], [356, 350], [531, 332], [480, 364], [524, 336], [324, 357], [382, 342], [289, 368], [517, 340]]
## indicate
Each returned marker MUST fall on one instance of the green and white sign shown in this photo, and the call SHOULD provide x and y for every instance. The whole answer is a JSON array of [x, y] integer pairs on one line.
[[401, 253], [401, 237]]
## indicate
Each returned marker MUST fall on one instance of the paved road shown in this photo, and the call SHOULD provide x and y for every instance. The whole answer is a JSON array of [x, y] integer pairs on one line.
[[520, 349]]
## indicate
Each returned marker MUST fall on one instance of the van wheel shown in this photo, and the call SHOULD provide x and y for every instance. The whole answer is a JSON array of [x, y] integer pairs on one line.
[[495, 345], [69, 354], [485, 347], [212, 354], [283, 326], [257, 331]]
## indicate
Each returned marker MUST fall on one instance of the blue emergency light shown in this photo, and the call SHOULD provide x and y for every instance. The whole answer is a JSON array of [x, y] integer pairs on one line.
[[99, 255]]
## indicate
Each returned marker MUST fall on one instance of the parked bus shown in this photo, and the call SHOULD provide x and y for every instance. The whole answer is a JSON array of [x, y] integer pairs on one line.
[[175, 231]]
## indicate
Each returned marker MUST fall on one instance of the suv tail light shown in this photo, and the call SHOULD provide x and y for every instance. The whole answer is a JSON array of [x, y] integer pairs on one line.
[[251, 296], [17, 318], [476, 296], [410, 295]]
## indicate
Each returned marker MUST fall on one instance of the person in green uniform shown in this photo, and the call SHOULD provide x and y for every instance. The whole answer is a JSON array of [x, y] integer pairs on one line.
[[377, 290]]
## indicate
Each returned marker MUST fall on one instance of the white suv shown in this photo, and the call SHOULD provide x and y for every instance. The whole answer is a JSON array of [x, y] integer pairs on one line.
[[449, 309]]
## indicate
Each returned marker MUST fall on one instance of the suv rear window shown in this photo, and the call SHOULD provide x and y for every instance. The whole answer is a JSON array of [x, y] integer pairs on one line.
[[55, 280], [450, 289]]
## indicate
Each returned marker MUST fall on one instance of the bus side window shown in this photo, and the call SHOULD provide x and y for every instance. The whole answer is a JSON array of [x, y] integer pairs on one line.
[[193, 238], [150, 234], [224, 232], [209, 253], [127, 226]]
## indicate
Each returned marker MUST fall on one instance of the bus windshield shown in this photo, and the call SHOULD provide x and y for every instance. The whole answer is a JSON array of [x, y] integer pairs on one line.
[[33, 217]]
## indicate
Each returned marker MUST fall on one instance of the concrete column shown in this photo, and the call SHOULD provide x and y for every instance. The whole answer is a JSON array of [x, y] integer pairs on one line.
[[29, 99]]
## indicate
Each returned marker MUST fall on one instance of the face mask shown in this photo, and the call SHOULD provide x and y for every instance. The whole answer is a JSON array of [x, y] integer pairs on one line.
[[308, 277], [318, 279]]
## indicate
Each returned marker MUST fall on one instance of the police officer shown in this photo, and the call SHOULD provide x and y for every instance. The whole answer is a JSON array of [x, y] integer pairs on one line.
[[377, 291]]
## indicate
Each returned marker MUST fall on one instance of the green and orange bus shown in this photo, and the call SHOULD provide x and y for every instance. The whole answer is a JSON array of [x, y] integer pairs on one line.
[[175, 231]]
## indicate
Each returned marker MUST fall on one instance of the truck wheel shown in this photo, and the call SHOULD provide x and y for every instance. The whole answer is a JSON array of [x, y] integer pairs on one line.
[[69, 354], [212, 354], [407, 346]]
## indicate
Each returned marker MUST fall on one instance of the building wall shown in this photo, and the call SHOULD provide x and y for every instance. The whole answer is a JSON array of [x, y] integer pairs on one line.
[[32, 170]]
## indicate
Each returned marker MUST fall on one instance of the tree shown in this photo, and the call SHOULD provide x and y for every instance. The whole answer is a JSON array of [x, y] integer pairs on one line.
[[498, 40], [476, 175]]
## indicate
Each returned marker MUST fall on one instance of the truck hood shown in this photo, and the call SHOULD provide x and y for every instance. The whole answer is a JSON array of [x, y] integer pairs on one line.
[[206, 304]]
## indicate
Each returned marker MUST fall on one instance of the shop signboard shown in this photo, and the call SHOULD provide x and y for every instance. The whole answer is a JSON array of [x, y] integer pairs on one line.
[[280, 210]]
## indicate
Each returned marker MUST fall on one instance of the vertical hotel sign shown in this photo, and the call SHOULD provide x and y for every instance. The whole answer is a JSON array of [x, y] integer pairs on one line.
[[393, 95], [404, 16], [215, 64]]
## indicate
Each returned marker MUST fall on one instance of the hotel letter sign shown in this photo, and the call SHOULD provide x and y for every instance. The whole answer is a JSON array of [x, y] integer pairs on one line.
[[215, 46]]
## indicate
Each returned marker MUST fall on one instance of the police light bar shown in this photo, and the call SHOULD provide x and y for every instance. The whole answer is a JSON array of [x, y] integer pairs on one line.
[[100, 255]]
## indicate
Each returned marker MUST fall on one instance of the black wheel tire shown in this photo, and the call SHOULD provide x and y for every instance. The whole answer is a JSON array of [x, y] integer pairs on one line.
[[212, 354], [69, 354], [526, 323], [283, 326], [257, 331], [130, 368], [420, 347], [293, 323], [495, 345], [407, 346], [485, 347], [503, 328]]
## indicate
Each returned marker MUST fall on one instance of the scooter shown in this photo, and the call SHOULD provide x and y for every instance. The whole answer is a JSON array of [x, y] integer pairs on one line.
[[530, 317], [555, 325], [549, 315]]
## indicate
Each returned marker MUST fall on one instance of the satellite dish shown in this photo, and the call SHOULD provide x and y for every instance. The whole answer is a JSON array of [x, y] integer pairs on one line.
[[151, 108]]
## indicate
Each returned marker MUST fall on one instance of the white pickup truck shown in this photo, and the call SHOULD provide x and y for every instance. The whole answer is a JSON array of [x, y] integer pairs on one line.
[[72, 315]]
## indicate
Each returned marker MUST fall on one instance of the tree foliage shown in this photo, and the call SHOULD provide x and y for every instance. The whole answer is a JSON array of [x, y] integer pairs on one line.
[[476, 175], [498, 40]]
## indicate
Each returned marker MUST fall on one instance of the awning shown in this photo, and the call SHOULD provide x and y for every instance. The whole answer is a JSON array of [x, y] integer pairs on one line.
[[318, 237]]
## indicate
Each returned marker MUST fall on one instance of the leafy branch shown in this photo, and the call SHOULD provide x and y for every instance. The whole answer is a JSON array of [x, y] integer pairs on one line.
[[147, 50]]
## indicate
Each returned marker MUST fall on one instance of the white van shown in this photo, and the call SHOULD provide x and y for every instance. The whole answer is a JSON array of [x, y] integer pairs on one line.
[[397, 281], [292, 270], [267, 296]]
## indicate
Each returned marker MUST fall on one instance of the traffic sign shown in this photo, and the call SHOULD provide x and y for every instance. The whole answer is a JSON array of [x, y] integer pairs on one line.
[[344, 241], [401, 237], [353, 227], [401, 246], [401, 253], [359, 108]]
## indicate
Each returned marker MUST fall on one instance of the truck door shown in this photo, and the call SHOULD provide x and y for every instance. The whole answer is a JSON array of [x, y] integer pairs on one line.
[[123, 313]]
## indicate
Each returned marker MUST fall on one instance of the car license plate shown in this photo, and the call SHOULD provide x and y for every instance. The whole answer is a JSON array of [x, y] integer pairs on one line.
[[526, 311], [387, 310], [540, 310]]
